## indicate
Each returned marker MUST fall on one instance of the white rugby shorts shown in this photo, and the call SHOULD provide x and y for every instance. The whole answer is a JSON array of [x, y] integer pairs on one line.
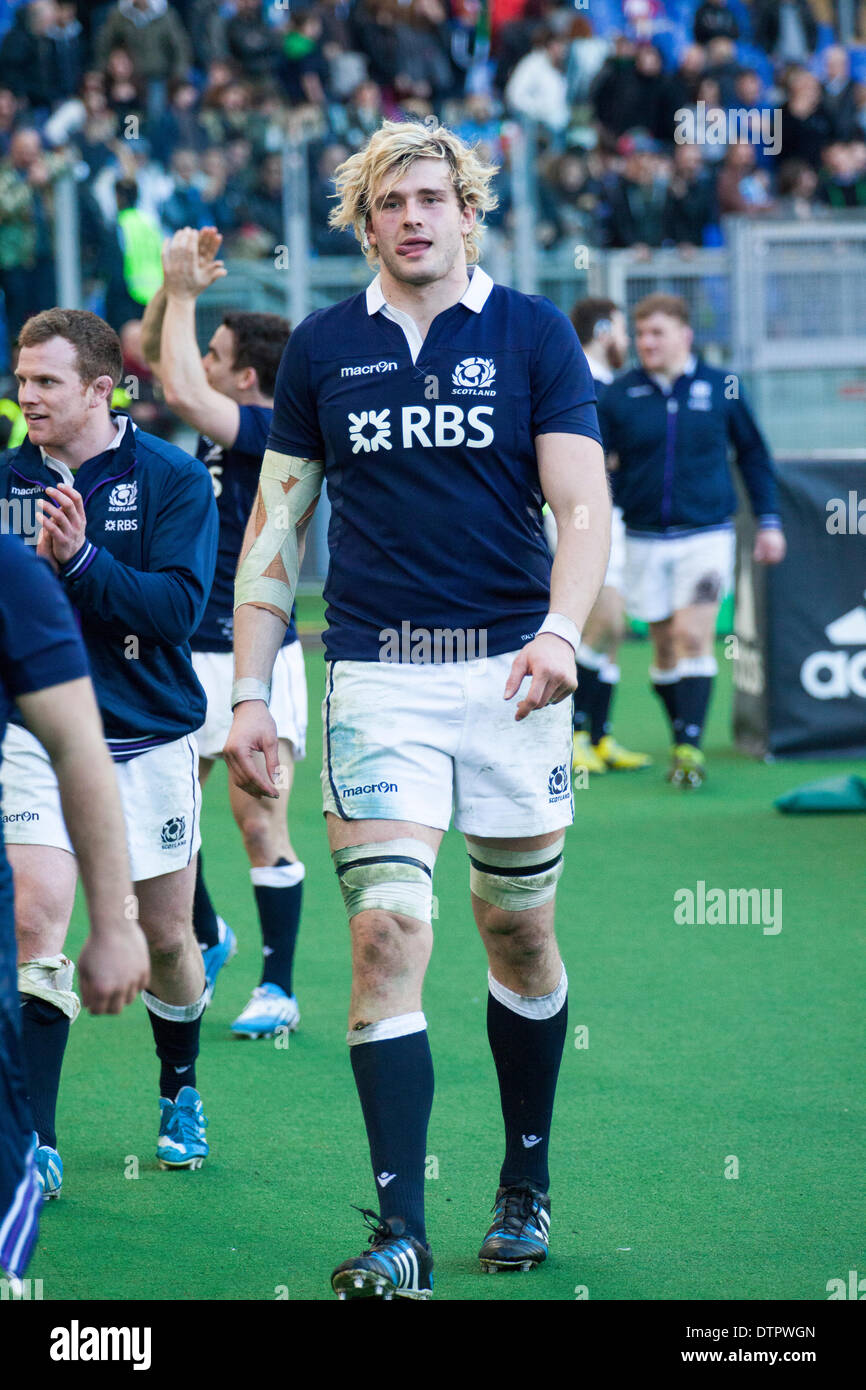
[[666, 573], [288, 703], [615, 575], [416, 742], [159, 793]]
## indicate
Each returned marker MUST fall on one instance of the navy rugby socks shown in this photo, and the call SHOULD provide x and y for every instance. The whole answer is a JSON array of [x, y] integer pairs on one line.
[[176, 1029], [279, 890], [204, 918], [393, 1072], [527, 1037], [44, 1034]]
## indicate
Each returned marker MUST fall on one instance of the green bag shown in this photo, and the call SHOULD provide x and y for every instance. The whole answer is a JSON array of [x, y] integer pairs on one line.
[[834, 795]]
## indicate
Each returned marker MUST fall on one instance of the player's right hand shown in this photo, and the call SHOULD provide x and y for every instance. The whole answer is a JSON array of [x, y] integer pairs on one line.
[[251, 750], [113, 968]]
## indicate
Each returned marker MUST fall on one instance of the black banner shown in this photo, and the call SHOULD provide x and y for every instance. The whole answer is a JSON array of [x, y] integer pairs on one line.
[[800, 668]]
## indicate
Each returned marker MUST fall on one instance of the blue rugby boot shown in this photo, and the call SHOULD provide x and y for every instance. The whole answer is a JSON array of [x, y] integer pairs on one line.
[[520, 1232], [49, 1169], [182, 1125], [396, 1265], [215, 957]]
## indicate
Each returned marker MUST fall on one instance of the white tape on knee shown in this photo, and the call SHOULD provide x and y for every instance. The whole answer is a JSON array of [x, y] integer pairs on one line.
[[284, 510], [50, 978], [514, 879], [393, 876]]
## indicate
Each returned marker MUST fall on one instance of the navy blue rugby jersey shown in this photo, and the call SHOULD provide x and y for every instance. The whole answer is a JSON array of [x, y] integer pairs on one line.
[[40, 646], [430, 459], [235, 475]]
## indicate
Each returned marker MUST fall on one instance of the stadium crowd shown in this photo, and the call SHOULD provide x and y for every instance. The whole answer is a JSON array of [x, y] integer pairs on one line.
[[173, 115]]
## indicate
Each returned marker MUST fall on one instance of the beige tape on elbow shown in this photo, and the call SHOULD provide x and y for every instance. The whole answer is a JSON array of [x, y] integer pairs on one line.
[[284, 509]]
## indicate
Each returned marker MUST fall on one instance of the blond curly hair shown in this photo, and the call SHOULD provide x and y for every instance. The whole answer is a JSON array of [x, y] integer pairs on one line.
[[388, 154]]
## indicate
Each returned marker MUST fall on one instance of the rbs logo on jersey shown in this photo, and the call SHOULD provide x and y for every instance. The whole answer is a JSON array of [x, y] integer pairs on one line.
[[439, 428]]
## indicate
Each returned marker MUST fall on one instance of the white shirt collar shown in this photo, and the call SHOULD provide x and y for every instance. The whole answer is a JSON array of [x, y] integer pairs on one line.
[[64, 470], [480, 285], [666, 382], [600, 371]]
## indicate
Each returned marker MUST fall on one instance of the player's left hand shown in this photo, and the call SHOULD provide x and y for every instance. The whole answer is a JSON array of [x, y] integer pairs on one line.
[[550, 661], [770, 546], [187, 271], [63, 523]]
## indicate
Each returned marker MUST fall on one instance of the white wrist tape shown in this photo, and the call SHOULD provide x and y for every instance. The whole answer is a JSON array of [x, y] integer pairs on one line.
[[248, 688], [563, 627], [285, 508]]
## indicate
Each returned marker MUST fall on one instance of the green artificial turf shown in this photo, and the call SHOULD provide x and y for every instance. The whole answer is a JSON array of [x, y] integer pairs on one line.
[[705, 1044]]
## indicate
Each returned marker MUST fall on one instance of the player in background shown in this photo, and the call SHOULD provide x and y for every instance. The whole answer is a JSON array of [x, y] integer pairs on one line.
[[443, 410], [228, 397], [603, 334], [129, 524], [671, 423], [43, 669]]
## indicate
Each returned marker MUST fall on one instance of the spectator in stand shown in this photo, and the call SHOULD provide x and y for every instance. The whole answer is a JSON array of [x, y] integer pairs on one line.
[[424, 67], [135, 269], [303, 67], [354, 121], [180, 123], [251, 42], [842, 181], [690, 215], [786, 29], [840, 92], [26, 244], [152, 31], [326, 242], [28, 57], [586, 55], [797, 190], [184, 207], [807, 126], [222, 203], [226, 114], [536, 89], [632, 91], [9, 107], [263, 206], [124, 91], [347, 68], [515, 38], [714, 20], [722, 67], [637, 199], [574, 200], [741, 186], [70, 49], [376, 28], [87, 122], [684, 81], [206, 26]]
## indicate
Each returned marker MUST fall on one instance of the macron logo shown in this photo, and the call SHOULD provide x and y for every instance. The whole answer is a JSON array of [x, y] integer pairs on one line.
[[368, 369], [530, 1140], [384, 1178]]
